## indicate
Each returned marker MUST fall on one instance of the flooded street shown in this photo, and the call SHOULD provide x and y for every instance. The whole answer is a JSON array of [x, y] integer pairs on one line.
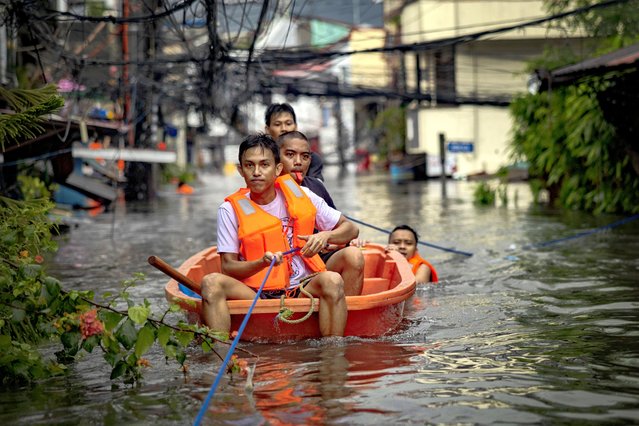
[[518, 333]]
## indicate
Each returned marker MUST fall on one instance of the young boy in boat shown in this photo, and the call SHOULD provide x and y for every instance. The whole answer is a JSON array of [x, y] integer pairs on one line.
[[404, 240], [279, 119], [295, 154], [257, 224]]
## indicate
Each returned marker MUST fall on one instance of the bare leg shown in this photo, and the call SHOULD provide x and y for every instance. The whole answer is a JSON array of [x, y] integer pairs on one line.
[[329, 287], [349, 263], [216, 290]]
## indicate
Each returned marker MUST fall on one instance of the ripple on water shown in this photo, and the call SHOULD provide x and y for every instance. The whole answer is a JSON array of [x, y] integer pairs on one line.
[[511, 340]]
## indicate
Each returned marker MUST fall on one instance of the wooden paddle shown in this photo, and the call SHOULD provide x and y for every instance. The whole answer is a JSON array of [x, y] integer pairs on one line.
[[174, 273]]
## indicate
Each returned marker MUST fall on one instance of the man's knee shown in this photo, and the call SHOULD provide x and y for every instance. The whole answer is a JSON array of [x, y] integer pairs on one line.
[[213, 286], [332, 285], [354, 257]]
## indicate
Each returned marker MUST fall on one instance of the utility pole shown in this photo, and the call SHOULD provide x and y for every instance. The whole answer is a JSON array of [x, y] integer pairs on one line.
[[3, 54], [127, 112], [442, 159]]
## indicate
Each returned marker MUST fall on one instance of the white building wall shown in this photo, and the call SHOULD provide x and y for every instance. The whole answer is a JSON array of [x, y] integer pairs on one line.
[[487, 128], [427, 20], [485, 69]]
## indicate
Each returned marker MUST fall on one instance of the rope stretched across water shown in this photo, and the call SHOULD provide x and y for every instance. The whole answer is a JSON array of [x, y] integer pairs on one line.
[[215, 384], [465, 253], [527, 247], [584, 233]]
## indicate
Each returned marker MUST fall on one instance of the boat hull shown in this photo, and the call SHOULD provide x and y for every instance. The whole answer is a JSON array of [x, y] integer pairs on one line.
[[388, 283]]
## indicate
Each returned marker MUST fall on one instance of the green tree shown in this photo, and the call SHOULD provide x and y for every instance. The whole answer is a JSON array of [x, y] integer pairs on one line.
[[573, 151], [578, 148], [389, 127], [612, 27], [28, 106]]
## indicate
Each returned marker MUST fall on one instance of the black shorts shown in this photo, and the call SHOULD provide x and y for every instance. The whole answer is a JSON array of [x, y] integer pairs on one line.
[[276, 294], [328, 254]]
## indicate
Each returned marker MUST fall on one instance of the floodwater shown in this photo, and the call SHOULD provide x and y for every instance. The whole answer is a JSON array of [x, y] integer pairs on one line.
[[519, 333]]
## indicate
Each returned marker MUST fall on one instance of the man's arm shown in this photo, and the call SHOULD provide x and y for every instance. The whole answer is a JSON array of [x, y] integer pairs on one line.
[[343, 232], [241, 269]]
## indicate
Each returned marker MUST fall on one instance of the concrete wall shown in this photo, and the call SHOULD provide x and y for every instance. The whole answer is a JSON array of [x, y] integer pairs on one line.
[[490, 69], [487, 128], [368, 69], [435, 19]]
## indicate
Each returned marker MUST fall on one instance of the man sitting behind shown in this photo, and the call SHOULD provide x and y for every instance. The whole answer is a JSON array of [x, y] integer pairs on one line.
[[257, 224], [279, 119], [348, 261]]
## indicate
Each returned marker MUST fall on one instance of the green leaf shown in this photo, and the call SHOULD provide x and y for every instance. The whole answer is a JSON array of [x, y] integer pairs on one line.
[[170, 350], [90, 343], [112, 358], [206, 347], [146, 337], [52, 285], [5, 342], [110, 319], [139, 314], [127, 334], [180, 357], [184, 337], [164, 334], [71, 342], [17, 315], [119, 369]]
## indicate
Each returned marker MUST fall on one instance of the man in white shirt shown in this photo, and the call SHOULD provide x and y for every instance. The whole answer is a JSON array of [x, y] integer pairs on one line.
[[244, 259]]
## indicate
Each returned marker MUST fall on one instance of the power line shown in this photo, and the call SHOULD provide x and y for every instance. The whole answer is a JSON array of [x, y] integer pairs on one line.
[[445, 42]]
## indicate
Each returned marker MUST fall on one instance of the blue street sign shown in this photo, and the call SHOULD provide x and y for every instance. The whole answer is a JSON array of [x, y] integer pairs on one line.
[[461, 147]]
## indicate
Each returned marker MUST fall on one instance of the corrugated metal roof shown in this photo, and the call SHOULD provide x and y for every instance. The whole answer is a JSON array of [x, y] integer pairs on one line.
[[626, 56]]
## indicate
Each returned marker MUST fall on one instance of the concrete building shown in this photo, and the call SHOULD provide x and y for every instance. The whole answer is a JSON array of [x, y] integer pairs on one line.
[[464, 84]]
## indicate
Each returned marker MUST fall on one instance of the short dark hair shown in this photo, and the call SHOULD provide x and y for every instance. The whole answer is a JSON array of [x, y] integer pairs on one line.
[[295, 134], [262, 140], [405, 228], [277, 109]]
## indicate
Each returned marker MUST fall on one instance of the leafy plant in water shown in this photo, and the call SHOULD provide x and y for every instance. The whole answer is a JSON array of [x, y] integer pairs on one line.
[[484, 194], [34, 308], [572, 151]]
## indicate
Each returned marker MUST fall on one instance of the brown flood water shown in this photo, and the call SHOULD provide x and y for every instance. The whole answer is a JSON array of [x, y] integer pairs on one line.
[[546, 335]]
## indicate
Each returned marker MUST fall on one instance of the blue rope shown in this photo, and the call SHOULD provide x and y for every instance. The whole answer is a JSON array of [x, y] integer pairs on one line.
[[584, 233], [465, 253], [207, 401]]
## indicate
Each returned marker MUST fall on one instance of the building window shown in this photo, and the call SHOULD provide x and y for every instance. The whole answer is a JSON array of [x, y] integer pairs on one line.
[[445, 87]]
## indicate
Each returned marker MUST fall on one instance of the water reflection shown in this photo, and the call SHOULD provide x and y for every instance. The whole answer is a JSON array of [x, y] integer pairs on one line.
[[318, 381]]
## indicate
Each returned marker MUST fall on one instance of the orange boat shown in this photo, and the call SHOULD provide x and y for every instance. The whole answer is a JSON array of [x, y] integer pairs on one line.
[[388, 282]]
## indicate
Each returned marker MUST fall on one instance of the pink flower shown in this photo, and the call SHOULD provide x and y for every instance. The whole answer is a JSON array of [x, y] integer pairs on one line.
[[39, 259], [90, 324]]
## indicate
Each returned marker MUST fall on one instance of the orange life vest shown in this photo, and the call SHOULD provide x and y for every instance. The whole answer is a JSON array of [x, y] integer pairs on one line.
[[260, 232], [185, 189], [416, 261]]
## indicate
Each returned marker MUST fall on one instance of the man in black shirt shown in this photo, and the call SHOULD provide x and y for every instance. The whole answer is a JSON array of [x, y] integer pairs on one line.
[[279, 119], [295, 155]]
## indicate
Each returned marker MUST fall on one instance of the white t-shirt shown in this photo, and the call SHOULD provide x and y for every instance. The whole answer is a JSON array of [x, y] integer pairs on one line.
[[227, 227]]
